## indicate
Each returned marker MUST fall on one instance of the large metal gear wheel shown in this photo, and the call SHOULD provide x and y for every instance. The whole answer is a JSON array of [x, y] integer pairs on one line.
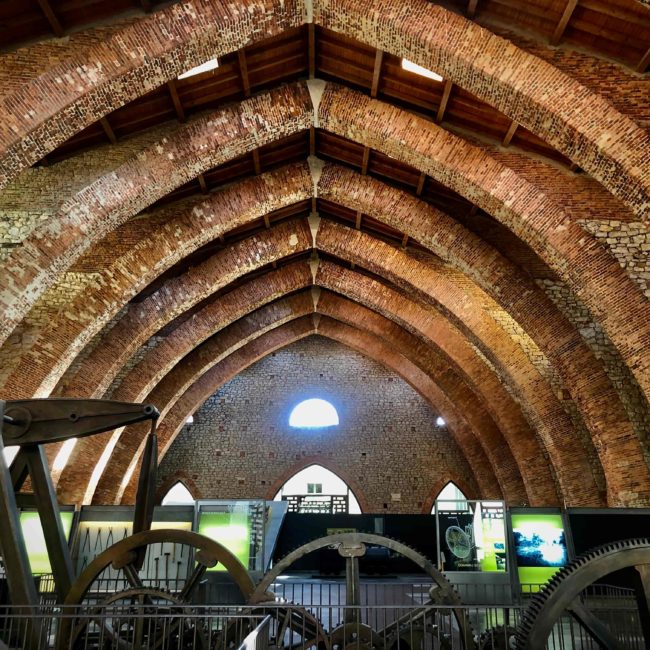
[[124, 556], [563, 591], [351, 546]]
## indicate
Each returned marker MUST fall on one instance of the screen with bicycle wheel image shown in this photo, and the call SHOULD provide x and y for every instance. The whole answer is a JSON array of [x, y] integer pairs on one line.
[[472, 537]]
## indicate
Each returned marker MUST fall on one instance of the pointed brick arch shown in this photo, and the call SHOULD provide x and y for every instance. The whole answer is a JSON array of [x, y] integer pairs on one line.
[[438, 487]]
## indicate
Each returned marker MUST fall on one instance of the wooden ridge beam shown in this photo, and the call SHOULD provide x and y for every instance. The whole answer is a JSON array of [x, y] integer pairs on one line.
[[376, 74], [507, 138], [178, 107], [243, 72], [564, 21], [108, 130], [55, 24], [444, 101]]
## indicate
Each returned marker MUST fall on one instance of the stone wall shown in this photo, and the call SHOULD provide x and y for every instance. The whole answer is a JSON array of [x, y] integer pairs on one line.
[[387, 442]]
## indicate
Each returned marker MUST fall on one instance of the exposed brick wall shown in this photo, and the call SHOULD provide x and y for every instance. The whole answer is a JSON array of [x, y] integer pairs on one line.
[[114, 197], [529, 212], [387, 440]]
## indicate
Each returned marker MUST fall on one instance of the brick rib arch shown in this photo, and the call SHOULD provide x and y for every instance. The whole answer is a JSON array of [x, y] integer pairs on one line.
[[164, 240], [582, 374], [533, 216], [219, 374], [114, 197], [442, 389], [619, 448], [43, 112], [327, 463], [572, 468]]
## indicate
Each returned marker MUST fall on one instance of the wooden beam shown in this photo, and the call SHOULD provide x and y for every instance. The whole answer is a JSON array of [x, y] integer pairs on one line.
[[146, 5], [311, 32], [110, 134], [473, 210], [420, 188], [564, 21], [243, 71], [471, 8], [445, 99], [357, 224], [178, 107], [267, 221], [365, 161], [405, 241], [511, 131], [379, 57], [203, 184], [644, 62], [256, 162], [55, 25], [312, 141]]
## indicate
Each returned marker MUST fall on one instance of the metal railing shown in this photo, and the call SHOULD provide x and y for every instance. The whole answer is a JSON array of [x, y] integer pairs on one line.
[[144, 625]]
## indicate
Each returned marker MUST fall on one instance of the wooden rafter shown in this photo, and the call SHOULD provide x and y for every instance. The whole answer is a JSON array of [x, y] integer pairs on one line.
[[473, 210], [108, 130], [444, 101], [357, 223], [243, 71], [202, 183], [312, 50], [642, 65], [365, 161], [405, 241], [471, 8], [267, 221], [509, 134], [52, 19], [256, 162], [564, 21], [146, 5], [312, 141], [376, 74], [420, 188], [178, 107]]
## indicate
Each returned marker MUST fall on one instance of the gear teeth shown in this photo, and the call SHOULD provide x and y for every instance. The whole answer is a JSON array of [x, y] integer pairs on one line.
[[526, 629]]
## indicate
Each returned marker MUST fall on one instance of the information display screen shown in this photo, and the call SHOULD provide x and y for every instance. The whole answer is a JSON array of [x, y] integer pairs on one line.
[[232, 529], [35, 539], [540, 547], [472, 538]]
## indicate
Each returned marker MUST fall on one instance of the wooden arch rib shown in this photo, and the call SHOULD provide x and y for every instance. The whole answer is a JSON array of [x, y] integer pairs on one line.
[[160, 46], [219, 374]]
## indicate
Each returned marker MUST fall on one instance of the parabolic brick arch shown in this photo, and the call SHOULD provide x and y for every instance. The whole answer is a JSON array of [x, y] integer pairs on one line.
[[478, 229]]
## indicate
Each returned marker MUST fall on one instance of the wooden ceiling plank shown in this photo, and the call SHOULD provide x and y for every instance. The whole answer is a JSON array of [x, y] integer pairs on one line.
[[421, 181], [312, 50], [471, 8], [509, 134], [445, 99], [642, 66], [365, 161], [376, 74], [108, 130], [178, 107], [243, 72], [52, 19], [564, 21]]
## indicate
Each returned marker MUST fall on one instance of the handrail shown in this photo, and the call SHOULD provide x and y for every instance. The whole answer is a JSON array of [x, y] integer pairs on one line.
[[258, 639]]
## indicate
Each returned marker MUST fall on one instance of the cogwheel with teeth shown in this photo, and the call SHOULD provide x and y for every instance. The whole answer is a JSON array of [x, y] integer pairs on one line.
[[352, 546], [563, 591]]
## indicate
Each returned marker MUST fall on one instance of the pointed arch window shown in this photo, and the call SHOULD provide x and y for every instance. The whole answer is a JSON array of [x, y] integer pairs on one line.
[[451, 498], [316, 489], [178, 495]]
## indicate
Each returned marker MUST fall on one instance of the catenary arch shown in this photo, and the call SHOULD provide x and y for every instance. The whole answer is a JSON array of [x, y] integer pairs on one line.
[[572, 118], [499, 190], [162, 241], [223, 372], [442, 396], [151, 368]]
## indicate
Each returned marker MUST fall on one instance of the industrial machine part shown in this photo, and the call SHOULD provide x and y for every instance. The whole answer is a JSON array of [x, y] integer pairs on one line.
[[353, 632], [130, 604], [563, 593]]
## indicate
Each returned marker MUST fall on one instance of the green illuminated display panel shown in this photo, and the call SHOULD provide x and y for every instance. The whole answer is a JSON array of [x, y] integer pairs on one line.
[[232, 529], [35, 539], [540, 547]]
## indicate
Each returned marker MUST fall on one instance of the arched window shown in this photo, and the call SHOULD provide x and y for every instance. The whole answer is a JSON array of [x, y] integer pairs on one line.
[[178, 495], [451, 498], [313, 414], [317, 489]]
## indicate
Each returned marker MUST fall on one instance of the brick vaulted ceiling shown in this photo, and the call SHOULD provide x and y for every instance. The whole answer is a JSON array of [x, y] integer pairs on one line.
[[484, 234]]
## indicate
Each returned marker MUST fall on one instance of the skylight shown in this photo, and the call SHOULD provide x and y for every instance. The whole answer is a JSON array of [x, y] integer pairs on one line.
[[313, 414], [440, 421], [212, 64], [418, 69]]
